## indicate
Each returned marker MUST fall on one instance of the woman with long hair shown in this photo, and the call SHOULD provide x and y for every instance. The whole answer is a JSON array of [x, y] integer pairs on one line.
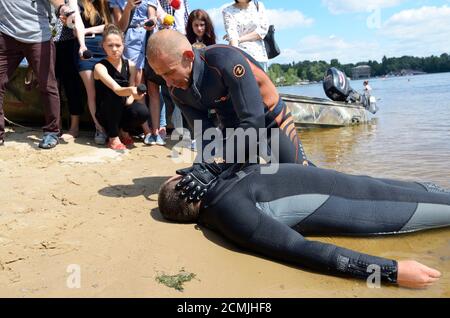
[[200, 29], [91, 16]]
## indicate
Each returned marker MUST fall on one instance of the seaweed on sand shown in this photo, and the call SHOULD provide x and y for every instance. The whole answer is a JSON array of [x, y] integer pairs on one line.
[[175, 281]]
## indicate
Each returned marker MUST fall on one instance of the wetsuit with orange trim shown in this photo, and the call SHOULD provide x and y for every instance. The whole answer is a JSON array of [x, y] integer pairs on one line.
[[229, 84]]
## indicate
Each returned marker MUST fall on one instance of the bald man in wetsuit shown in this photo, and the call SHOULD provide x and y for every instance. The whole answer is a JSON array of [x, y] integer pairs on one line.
[[270, 213], [224, 81]]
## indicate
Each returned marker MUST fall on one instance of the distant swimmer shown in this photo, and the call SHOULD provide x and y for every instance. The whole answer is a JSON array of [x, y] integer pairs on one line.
[[270, 213]]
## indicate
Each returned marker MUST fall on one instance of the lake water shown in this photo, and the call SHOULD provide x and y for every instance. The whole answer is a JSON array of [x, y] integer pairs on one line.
[[409, 138]]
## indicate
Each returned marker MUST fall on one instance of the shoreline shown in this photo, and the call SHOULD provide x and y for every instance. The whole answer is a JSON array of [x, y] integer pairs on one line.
[[85, 205]]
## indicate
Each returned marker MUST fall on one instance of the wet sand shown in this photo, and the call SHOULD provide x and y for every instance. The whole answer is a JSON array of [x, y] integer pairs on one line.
[[90, 206]]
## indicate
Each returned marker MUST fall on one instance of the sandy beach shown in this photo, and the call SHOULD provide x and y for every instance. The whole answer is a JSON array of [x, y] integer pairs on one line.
[[88, 206]]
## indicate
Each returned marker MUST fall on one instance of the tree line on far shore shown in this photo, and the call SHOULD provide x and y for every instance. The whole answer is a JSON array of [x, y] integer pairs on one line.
[[312, 71]]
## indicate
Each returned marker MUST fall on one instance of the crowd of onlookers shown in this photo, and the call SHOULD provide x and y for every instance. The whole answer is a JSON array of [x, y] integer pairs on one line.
[[101, 45]]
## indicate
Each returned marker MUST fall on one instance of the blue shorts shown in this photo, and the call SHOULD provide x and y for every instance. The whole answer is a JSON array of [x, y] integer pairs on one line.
[[95, 46]]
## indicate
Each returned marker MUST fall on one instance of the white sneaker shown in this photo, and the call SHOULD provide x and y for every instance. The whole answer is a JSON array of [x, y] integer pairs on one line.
[[150, 140], [159, 141], [100, 138]]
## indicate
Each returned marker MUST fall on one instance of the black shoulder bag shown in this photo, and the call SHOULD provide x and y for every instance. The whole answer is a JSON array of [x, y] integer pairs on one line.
[[272, 48]]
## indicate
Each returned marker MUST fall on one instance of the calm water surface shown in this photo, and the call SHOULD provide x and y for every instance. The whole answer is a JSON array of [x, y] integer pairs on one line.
[[408, 139]]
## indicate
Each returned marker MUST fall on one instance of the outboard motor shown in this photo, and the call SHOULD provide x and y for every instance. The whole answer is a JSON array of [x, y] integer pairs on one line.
[[337, 87]]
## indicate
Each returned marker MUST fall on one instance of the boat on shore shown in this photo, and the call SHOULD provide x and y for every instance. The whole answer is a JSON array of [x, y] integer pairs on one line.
[[316, 112], [345, 106]]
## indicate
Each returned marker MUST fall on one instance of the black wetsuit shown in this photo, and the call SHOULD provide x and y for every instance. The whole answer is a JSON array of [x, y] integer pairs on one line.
[[230, 85], [266, 213]]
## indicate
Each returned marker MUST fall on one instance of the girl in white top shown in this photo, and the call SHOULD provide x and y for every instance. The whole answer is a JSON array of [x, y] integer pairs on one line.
[[246, 25]]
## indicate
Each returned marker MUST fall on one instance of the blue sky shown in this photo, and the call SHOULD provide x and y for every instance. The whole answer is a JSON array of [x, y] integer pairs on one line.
[[352, 30]]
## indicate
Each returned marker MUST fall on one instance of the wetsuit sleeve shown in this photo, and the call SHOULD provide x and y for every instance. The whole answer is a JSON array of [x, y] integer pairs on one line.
[[244, 91], [260, 233], [192, 115], [247, 103]]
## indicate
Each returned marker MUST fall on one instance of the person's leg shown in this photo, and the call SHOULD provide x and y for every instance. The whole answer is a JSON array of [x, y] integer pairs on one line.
[[157, 117], [109, 114], [162, 121], [70, 82], [361, 205], [10, 57], [88, 81], [134, 116], [168, 102], [155, 101], [41, 57], [139, 76]]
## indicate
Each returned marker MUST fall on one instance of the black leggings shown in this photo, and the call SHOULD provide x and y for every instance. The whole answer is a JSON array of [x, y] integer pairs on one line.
[[67, 74], [115, 115]]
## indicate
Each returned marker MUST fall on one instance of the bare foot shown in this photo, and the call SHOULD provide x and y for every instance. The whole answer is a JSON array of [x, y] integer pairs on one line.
[[73, 132], [67, 137]]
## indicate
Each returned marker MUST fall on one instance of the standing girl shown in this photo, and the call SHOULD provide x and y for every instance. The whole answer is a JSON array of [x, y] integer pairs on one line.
[[131, 16], [91, 16]]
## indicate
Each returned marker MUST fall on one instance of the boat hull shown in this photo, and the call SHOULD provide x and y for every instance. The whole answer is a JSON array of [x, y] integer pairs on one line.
[[25, 106], [309, 111]]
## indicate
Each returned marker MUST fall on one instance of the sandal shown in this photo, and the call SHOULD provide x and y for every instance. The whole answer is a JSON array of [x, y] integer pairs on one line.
[[116, 146], [127, 141], [2, 142], [49, 140]]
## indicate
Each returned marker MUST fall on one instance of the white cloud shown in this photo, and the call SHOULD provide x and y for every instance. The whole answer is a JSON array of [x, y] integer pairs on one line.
[[418, 32], [281, 18], [284, 19], [349, 6], [423, 31], [316, 48]]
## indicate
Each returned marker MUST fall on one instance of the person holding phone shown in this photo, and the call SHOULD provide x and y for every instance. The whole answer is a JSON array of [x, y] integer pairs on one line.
[[135, 18], [89, 21]]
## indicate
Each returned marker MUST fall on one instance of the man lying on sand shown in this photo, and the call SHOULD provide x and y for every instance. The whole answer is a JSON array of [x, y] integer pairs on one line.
[[270, 213]]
